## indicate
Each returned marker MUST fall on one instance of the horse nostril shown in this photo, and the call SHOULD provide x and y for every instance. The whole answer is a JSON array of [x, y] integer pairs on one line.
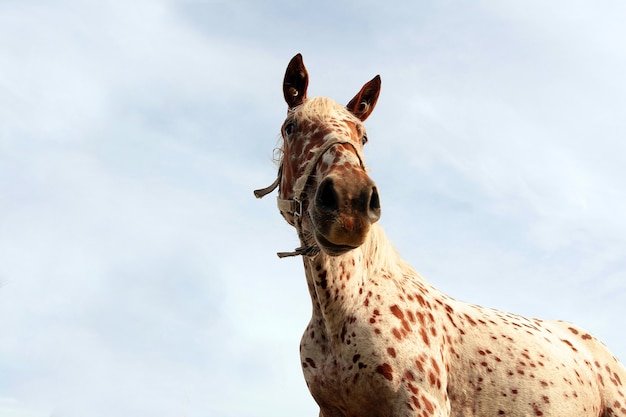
[[374, 205], [326, 198]]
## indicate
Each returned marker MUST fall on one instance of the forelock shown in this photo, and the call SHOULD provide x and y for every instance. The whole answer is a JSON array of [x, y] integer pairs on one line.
[[320, 108]]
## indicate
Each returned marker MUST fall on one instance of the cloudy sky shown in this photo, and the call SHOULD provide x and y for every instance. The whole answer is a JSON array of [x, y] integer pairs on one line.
[[138, 274]]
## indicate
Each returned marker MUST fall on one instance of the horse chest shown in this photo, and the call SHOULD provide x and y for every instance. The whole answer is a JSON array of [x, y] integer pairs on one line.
[[341, 370]]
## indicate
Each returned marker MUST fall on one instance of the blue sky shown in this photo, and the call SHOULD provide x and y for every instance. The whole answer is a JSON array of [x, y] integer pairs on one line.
[[138, 274]]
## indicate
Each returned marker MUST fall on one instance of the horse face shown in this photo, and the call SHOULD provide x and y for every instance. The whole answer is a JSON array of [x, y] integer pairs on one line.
[[322, 167]]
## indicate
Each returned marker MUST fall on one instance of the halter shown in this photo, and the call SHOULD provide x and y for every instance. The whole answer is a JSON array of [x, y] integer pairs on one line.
[[293, 206]]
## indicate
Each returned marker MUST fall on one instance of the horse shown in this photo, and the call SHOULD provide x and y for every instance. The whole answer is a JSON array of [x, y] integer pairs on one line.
[[384, 342]]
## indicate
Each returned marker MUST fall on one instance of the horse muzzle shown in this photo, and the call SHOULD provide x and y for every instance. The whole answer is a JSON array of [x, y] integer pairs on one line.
[[342, 212]]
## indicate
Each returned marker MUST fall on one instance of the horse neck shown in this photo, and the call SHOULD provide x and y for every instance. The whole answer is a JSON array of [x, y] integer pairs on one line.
[[341, 285]]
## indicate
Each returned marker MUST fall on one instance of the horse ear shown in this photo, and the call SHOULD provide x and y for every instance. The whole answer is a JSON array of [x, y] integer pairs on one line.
[[364, 102], [296, 82]]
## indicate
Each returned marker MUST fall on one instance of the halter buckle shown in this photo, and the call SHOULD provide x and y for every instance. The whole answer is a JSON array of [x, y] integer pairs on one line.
[[297, 209]]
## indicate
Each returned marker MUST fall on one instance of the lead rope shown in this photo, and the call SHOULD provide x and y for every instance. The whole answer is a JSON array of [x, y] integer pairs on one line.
[[293, 206]]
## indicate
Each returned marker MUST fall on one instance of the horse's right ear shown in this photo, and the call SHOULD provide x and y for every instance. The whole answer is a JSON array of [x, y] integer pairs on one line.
[[296, 82]]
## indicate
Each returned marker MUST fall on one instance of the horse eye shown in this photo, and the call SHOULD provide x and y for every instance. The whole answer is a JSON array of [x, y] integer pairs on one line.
[[364, 139], [289, 128]]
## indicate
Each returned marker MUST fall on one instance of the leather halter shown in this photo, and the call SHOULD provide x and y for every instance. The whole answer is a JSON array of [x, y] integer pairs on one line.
[[293, 206]]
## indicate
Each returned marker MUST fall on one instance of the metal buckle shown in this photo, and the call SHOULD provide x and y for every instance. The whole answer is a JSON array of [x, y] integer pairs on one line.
[[297, 212]]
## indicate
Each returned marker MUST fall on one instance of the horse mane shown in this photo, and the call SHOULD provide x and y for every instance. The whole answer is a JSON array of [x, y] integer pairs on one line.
[[380, 252]]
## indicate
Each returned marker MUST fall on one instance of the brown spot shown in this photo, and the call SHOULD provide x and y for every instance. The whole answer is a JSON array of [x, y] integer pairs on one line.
[[411, 316], [420, 317], [568, 343], [416, 402], [571, 329], [435, 365], [470, 320], [397, 312], [409, 375], [344, 330], [355, 358], [420, 299], [311, 362], [429, 406], [385, 370], [586, 336], [323, 281], [424, 336], [391, 351], [432, 379], [397, 334]]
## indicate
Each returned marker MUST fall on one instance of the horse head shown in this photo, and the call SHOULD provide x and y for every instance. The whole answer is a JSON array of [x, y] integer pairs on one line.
[[324, 188]]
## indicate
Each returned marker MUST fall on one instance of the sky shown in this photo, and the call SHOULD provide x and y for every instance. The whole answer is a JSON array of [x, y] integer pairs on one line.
[[138, 274]]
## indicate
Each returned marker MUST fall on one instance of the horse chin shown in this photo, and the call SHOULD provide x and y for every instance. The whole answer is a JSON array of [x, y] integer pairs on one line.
[[330, 248], [335, 240]]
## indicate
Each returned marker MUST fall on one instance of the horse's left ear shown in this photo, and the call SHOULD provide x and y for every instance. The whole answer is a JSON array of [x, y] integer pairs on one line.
[[364, 102]]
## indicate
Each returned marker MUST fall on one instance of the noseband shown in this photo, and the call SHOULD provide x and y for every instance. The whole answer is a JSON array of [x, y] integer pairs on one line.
[[293, 206]]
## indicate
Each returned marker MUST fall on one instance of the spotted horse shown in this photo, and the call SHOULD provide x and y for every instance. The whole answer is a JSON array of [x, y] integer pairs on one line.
[[384, 342]]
